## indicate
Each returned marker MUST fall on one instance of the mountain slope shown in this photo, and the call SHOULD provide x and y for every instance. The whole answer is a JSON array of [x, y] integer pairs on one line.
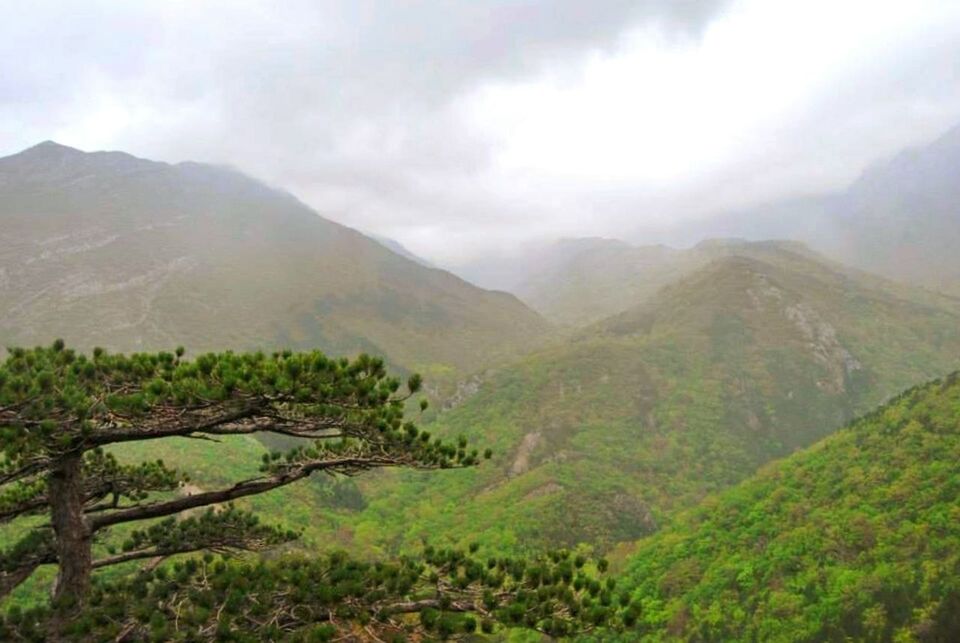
[[599, 438], [396, 247], [580, 281], [107, 249], [856, 538], [900, 218], [577, 281]]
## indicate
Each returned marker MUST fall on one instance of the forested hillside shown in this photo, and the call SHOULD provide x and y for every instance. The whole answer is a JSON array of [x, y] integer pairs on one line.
[[599, 438], [855, 538], [733, 354], [524, 321]]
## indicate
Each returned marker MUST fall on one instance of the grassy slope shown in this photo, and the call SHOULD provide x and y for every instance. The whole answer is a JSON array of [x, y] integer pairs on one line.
[[858, 536], [600, 438]]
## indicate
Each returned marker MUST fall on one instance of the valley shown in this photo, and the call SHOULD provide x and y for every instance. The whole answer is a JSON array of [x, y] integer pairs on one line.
[[637, 386]]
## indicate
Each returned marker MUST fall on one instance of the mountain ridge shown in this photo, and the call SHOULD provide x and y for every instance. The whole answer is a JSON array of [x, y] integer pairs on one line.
[[135, 254]]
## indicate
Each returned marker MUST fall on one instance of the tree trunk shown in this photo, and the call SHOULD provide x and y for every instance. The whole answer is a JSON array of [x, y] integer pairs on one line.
[[74, 556]]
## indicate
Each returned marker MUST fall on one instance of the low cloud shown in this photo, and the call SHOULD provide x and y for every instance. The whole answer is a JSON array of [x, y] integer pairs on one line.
[[460, 128]]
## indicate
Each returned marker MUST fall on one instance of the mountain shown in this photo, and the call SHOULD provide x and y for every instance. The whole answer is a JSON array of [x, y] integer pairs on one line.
[[900, 218], [398, 248], [107, 249], [855, 538], [580, 281], [577, 281], [601, 437]]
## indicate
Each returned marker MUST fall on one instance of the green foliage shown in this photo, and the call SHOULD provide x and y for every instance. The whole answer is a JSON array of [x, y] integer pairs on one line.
[[603, 437], [54, 400], [60, 410], [218, 530], [443, 593], [856, 538]]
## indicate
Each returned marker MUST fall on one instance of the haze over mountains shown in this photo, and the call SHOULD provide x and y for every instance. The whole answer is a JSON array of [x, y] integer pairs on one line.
[[900, 219], [107, 249]]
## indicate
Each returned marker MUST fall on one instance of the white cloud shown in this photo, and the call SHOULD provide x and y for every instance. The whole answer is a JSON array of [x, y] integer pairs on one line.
[[462, 128]]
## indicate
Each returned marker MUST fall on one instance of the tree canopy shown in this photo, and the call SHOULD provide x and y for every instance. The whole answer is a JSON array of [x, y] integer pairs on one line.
[[441, 594], [60, 411]]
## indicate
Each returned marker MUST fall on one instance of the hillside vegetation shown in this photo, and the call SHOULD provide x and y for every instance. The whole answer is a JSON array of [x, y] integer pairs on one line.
[[599, 438], [856, 538]]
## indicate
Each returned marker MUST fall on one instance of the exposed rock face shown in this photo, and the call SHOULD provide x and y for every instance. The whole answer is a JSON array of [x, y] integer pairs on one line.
[[826, 348], [819, 335], [465, 390], [521, 462]]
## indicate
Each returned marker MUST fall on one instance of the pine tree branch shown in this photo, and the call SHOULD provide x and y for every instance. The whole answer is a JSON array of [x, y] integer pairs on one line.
[[253, 486], [32, 466], [103, 476], [19, 562], [139, 555], [409, 607], [10, 580], [241, 422]]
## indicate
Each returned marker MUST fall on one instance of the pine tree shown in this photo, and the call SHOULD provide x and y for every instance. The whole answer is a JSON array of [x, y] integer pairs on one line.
[[60, 411]]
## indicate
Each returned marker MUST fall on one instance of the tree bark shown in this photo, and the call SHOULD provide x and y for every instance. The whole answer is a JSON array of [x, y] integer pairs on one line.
[[74, 538]]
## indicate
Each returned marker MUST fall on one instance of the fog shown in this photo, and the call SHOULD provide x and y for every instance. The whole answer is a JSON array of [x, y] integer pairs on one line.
[[468, 129]]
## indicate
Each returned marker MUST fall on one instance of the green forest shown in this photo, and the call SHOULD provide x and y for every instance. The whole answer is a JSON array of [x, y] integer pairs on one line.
[[856, 537]]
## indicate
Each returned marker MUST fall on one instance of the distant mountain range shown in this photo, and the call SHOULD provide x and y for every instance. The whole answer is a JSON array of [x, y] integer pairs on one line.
[[579, 281], [679, 373], [900, 219], [107, 249]]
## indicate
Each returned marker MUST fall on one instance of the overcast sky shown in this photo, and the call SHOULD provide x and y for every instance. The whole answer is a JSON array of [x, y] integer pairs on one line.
[[462, 127]]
